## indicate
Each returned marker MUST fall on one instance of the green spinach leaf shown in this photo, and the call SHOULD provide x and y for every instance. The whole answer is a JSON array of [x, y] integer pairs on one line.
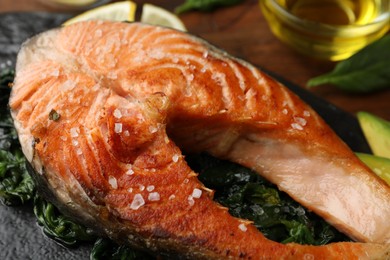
[[249, 196], [367, 70], [16, 185], [58, 226], [107, 249], [204, 5]]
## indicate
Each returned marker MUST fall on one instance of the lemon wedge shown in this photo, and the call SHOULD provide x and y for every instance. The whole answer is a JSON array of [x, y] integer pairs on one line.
[[155, 15], [74, 2], [118, 11], [125, 11]]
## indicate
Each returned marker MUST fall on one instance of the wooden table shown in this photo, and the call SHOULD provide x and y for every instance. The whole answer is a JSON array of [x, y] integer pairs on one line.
[[242, 31]]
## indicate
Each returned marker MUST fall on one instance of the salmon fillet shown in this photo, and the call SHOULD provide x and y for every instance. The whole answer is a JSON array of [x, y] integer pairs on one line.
[[103, 111]]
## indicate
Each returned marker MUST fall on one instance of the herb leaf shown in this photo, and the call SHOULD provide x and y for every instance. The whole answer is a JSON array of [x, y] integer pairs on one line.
[[107, 249], [249, 196], [59, 227], [204, 5], [16, 185], [367, 70]]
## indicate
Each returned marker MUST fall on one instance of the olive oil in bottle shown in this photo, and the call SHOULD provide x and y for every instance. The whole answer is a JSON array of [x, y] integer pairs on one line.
[[327, 29]]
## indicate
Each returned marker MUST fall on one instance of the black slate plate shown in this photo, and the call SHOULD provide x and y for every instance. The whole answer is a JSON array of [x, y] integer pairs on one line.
[[20, 236]]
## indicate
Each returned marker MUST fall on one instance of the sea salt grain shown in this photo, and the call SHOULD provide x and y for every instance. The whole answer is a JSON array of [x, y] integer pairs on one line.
[[130, 171], [113, 182], [242, 227], [150, 188], [74, 132], [153, 129], [196, 193], [118, 128], [300, 120], [117, 113], [154, 196], [175, 158], [296, 126], [137, 202], [191, 200]]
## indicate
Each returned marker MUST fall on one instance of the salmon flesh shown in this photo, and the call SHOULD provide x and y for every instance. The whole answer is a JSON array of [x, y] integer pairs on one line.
[[103, 111]]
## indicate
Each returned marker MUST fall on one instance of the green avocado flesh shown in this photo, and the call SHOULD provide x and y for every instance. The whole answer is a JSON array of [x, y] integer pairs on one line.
[[380, 165], [377, 133]]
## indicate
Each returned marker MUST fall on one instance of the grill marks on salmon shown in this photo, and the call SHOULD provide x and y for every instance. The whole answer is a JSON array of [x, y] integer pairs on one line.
[[129, 95]]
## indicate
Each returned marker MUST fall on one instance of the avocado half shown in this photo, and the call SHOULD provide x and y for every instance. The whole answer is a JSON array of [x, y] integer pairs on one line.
[[377, 132]]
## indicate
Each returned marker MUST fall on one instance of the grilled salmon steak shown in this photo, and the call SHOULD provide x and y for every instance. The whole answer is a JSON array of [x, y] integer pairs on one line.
[[103, 111]]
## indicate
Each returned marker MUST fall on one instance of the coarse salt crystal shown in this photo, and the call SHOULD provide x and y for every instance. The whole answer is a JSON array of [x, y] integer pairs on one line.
[[172, 197], [137, 202], [118, 128], [141, 187], [79, 151], [74, 132], [196, 193], [285, 111], [63, 138], [300, 121], [130, 171], [154, 196], [117, 113], [175, 158], [150, 188], [242, 227], [191, 200], [153, 129], [296, 126], [127, 133], [75, 142], [130, 190], [113, 182], [306, 113]]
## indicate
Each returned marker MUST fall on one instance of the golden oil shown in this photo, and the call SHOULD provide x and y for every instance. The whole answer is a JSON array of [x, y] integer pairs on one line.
[[327, 29]]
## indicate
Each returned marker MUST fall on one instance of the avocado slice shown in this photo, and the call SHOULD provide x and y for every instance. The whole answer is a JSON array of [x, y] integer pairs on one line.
[[377, 132], [380, 165]]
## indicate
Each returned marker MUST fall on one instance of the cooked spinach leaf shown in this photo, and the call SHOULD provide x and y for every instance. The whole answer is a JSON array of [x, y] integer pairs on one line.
[[16, 185], [107, 249], [249, 196], [367, 70], [58, 226]]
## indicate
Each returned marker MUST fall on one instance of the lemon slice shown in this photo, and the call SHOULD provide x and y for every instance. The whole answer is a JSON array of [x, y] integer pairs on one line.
[[155, 15], [118, 11], [75, 2]]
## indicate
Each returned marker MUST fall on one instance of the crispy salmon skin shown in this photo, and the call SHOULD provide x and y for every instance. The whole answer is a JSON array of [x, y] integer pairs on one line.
[[128, 98]]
